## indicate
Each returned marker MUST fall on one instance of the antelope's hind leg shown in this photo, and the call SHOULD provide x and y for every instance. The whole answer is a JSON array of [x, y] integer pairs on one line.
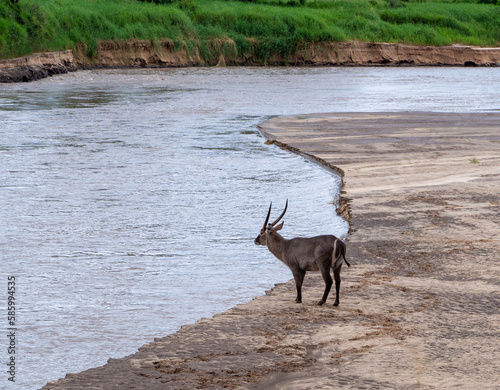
[[325, 272], [336, 275]]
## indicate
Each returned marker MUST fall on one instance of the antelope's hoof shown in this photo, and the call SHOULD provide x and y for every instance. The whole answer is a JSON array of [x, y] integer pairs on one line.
[[320, 303], [298, 300], [336, 304]]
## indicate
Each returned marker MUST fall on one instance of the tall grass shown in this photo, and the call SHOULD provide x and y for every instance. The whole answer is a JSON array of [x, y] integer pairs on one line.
[[40, 25], [445, 24], [263, 27]]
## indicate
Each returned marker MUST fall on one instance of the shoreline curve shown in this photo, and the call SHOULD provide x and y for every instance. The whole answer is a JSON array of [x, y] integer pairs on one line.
[[419, 307]]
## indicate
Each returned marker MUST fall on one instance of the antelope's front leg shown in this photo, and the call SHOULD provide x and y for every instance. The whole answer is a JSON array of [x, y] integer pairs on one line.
[[299, 279]]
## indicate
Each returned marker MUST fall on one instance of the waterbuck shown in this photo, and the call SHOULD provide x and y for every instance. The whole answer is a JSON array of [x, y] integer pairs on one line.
[[318, 253]]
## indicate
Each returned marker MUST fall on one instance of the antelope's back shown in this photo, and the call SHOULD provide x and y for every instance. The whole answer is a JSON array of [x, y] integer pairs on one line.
[[313, 249]]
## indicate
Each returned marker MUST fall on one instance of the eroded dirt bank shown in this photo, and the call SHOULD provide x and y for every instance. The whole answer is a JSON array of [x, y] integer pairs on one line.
[[418, 310], [166, 53], [37, 66]]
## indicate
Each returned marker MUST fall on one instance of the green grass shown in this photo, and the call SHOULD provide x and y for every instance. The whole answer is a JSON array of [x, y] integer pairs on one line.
[[261, 28]]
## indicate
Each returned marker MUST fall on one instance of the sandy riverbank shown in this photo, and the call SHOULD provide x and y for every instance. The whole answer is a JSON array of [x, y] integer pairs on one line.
[[418, 310], [165, 53]]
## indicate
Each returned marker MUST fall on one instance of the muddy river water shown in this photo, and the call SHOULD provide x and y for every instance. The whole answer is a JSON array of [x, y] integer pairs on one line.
[[130, 198]]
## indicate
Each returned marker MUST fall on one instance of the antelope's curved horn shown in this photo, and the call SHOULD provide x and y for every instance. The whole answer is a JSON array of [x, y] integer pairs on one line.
[[268, 215], [282, 214]]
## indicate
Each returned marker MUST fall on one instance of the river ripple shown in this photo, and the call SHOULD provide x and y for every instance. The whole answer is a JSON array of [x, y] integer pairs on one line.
[[130, 198]]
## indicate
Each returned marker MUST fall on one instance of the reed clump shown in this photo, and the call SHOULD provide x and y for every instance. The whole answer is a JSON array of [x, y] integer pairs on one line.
[[259, 27]]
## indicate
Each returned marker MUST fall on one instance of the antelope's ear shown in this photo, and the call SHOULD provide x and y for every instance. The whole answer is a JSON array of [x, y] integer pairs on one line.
[[279, 227]]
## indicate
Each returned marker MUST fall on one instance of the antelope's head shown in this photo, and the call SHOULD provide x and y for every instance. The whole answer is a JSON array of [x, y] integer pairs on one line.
[[270, 228]]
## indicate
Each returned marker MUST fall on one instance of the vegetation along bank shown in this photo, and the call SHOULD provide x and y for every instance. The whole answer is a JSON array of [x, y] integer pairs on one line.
[[259, 32]]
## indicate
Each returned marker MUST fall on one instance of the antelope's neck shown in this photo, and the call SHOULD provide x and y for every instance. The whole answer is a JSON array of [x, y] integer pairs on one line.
[[276, 245]]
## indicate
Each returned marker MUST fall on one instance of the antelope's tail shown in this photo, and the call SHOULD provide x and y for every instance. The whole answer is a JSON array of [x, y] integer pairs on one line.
[[338, 260], [343, 255]]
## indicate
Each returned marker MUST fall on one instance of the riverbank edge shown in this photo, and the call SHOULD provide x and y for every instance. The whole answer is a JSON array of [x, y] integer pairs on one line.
[[342, 208], [37, 66], [397, 325], [166, 53]]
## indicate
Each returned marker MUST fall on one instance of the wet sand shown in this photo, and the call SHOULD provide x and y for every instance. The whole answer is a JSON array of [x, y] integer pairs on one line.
[[419, 309]]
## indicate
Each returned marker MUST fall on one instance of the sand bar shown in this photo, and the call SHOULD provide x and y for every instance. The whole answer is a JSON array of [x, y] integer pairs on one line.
[[419, 309]]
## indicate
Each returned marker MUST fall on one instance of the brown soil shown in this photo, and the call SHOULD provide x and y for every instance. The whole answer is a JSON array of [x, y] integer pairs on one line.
[[36, 66], [166, 53], [419, 308]]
